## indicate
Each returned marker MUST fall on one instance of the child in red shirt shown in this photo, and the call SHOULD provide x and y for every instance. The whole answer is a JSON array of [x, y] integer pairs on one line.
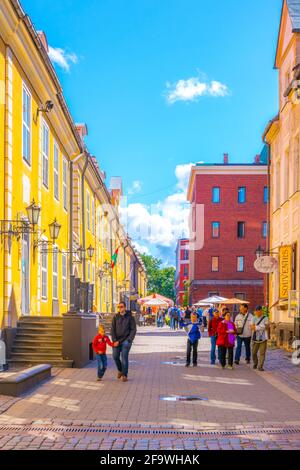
[[100, 343]]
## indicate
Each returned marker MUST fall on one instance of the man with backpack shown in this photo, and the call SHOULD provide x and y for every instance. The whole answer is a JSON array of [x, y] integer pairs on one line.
[[243, 323], [259, 327]]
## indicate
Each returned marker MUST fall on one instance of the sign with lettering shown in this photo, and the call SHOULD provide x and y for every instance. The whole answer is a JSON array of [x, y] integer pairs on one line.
[[266, 264], [285, 271]]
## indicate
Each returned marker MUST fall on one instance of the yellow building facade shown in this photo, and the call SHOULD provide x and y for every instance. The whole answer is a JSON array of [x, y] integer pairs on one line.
[[283, 136], [44, 164]]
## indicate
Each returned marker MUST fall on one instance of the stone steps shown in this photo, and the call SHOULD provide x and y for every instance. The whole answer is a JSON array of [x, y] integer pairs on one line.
[[39, 340]]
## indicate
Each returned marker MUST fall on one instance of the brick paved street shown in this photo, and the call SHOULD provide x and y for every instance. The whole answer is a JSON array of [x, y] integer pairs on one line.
[[255, 407]]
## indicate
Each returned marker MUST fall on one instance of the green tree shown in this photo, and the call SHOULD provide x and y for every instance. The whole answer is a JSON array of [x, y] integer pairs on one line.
[[160, 280]]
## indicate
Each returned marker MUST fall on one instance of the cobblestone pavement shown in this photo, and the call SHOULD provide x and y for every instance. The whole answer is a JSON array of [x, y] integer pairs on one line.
[[242, 409]]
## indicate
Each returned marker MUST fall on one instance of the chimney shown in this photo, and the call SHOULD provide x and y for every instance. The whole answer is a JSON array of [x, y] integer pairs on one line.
[[226, 159], [257, 159], [43, 39], [82, 130]]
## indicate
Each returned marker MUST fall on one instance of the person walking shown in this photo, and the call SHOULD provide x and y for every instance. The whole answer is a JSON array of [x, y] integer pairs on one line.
[[100, 342], [226, 339], [259, 327], [160, 318], [213, 334], [243, 323], [192, 329], [123, 331]]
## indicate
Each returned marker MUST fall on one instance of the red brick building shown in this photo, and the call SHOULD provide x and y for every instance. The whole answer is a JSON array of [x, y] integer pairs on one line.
[[182, 269], [229, 219]]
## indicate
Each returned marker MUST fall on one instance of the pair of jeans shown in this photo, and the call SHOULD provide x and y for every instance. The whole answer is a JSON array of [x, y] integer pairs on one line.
[[192, 347], [260, 348], [213, 342], [247, 343], [172, 323], [223, 352], [120, 355], [102, 364]]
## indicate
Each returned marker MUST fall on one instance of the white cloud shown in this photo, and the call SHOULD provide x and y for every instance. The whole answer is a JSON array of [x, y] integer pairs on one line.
[[62, 58], [157, 227], [193, 88], [135, 187]]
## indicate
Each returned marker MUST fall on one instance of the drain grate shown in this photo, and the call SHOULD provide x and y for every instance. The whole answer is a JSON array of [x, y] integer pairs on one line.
[[147, 431], [182, 398]]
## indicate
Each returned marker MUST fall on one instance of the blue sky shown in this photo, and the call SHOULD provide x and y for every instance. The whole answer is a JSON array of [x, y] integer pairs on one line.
[[162, 84]]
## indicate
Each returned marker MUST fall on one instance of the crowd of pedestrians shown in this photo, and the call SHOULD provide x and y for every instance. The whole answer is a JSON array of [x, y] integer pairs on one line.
[[227, 336]]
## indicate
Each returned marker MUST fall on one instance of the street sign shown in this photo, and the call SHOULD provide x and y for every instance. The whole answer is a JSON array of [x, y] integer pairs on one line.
[[266, 264]]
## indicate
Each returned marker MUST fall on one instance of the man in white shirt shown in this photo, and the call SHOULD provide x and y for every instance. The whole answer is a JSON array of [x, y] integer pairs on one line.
[[243, 325], [259, 327]]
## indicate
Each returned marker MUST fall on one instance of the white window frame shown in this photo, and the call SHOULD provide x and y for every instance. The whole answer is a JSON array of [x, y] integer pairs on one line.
[[45, 163], [88, 210], [65, 183], [93, 215], [55, 273], [44, 273], [64, 273], [27, 125], [56, 171]]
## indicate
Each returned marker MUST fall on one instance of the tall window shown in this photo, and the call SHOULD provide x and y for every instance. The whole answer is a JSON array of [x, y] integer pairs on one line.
[[286, 177], [56, 171], [64, 277], [44, 267], [98, 223], [265, 229], [215, 264], [215, 229], [185, 255], [55, 275], [296, 166], [26, 133], [216, 195], [242, 195], [93, 216], [241, 229], [65, 183], [88, 210], [45, 155], [240, 263], [185, 271], [266, 195]]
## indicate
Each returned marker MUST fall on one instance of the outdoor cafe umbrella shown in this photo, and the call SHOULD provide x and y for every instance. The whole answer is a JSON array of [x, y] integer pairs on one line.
[[156, 296], [215, 299], [155, 303], [235, 301]]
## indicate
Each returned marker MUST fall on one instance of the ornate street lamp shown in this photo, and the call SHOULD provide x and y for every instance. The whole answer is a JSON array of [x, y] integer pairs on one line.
[[90, 251], [33, 213], [54, 229], [259, 252], [80, 253]]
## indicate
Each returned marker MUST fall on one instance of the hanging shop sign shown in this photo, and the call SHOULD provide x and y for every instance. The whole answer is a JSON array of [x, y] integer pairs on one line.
[[285, 271], [266, 264]]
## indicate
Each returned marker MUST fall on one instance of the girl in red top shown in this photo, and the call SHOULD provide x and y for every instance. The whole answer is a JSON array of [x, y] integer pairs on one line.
[[100, 343], [226, 339]]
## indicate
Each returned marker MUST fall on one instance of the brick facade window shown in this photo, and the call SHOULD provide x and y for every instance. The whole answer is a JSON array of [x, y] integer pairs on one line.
[[242, 195], [241, 228], [215, 229], [216, 196], [215, 264], [240, 264]]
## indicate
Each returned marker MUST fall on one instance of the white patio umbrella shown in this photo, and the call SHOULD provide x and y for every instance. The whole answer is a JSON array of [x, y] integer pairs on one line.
[[215, 299], [156, 303], [202, 304]]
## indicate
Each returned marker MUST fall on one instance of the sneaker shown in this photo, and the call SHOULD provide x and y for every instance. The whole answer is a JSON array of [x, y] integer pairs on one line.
[[99, 379], [230, 367], [237, 362], [187, 365], [120, 375], [124, 378], [261, 369], [255, 366]]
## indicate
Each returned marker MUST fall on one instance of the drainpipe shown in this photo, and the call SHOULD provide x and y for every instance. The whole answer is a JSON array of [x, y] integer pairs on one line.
[[83, 216], [268, 215]]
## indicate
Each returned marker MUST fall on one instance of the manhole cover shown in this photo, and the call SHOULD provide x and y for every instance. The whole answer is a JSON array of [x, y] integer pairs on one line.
[[173, 363], [182, 398]]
